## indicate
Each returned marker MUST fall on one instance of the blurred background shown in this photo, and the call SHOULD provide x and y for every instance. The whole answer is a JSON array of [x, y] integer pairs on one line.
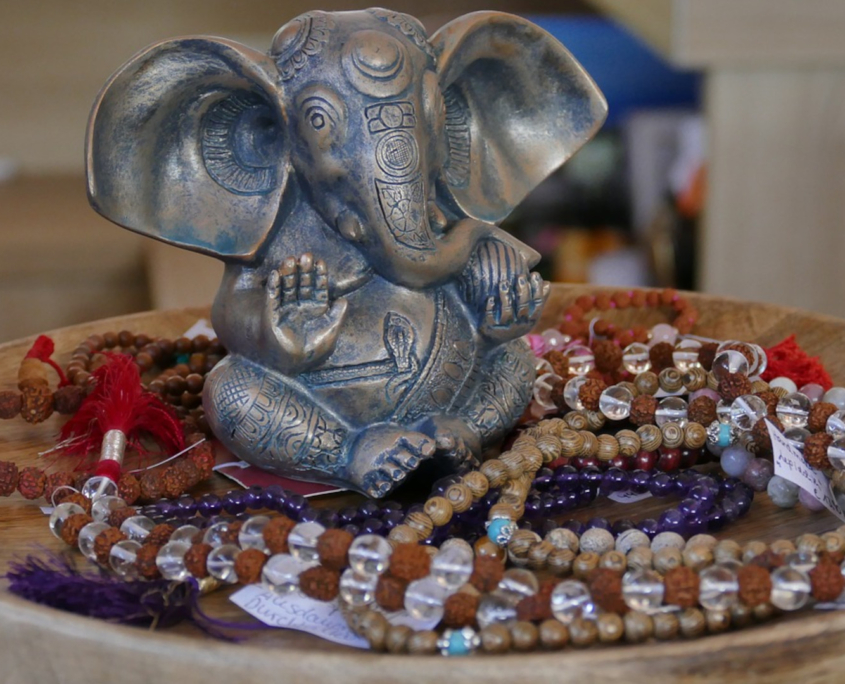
[[720, 167]]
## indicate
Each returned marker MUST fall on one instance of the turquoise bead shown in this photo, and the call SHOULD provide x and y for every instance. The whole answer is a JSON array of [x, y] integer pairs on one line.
[[724, 435], [500, 531], [458, 644]]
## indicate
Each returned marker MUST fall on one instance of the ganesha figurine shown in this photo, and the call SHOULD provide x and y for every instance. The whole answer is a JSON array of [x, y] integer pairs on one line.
[[351, 179]]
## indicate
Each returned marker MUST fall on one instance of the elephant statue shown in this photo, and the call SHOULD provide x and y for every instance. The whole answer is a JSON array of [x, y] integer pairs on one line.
[[351, 179]]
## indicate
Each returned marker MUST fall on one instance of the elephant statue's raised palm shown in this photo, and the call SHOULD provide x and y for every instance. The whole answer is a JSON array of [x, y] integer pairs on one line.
[[351, 180]]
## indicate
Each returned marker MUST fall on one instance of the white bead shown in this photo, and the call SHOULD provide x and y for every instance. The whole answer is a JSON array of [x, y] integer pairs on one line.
[[631, 539], [784, 382]]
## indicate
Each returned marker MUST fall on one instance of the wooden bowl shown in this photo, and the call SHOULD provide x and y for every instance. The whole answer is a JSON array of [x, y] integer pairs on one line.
[[42, 645]]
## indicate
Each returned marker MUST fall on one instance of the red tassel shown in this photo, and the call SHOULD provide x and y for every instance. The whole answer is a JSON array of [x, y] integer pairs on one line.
[[788, 359], [119, 402], [42, 349]]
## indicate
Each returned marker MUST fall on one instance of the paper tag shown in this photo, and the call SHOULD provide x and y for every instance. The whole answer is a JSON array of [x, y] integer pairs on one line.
[[628, 497], [790, 465], [295, 611], [201, 327]]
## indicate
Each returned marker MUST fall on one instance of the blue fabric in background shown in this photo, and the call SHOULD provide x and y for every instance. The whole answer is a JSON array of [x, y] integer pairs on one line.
[[630, 74]]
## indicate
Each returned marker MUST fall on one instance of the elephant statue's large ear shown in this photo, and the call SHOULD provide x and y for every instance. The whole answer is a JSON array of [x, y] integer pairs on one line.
[[518, 105], [187, 144]]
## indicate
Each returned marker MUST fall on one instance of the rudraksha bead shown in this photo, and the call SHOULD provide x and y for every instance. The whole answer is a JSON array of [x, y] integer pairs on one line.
[[80, 500], [606, 590], [332, 547], [702, 410], [771, 400], [72, 527], [8, 478], [390, 592], [104, 541], [815, 450], [487, 572], [590, 392], [755, 585], [58, 486], [608, 356], [318, 582], [734, 385], [760, 432], [681, 587], [203, 458], [706, 354], [231, 534], [409, 562], [145, 561], [559, 362], [827, 581], [68, 399], [152, 486], [32, 482], [160, 534], [196, 558], [249, 564], [819, 413], [660, 356], [10, 404], [769, 560], [173, 482], [642, 409], [129, 488], [459, 610], [276, 534], [534, 608], [119, 515]]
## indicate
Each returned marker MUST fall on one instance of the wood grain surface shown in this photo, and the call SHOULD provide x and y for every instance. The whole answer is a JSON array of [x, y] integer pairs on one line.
[[40, 645]]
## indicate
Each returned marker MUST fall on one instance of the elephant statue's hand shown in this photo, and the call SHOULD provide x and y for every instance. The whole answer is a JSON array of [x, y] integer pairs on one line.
[[515, 308], [303, 322]]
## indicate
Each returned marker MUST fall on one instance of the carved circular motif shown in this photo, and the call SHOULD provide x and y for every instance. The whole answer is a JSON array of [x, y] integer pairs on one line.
[[375, 64], [397, 153]]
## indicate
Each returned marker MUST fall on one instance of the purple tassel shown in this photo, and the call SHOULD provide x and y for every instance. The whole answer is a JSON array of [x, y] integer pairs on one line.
[[58, 583]]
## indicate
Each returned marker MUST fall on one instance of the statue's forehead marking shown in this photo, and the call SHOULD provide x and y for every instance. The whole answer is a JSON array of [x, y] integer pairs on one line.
[[377, 64]]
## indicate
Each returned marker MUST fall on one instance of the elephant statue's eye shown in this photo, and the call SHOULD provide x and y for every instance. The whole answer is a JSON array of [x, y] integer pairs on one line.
[[318, 121], [321, 116]]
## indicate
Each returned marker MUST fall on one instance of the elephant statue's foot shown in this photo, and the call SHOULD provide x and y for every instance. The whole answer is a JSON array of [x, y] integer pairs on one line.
[[457, 443], [384, 455]]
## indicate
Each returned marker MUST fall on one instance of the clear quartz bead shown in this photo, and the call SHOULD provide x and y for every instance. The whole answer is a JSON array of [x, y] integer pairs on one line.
[[797, 437], [281, 573], [723, 412], [424, 599], [122, 558], [457, 541], [251, 535], [102, 507], [835, 425], [87, 535], [685, 355], [747, 410], [185, 533], [555, 339], [357, 590], [635, 358], [570, 392], [762, 360], [581, 359], [61, 513], [369, 554], [98, 486], [221, 563], [802, 560], [571, 599], [790, 588], [495, 609], [749, 351], [794, 410], [452, 566], [170, 560], [216, 534], [642, 590], [542, 391], [302, 541], [663, 332], [836, 453], [671, 410], [517, 584], [718, 588], [729, 361], [615, 402], [138, 527]]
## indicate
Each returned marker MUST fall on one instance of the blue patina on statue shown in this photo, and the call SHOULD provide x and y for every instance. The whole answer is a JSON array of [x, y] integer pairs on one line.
[[351, 180]]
